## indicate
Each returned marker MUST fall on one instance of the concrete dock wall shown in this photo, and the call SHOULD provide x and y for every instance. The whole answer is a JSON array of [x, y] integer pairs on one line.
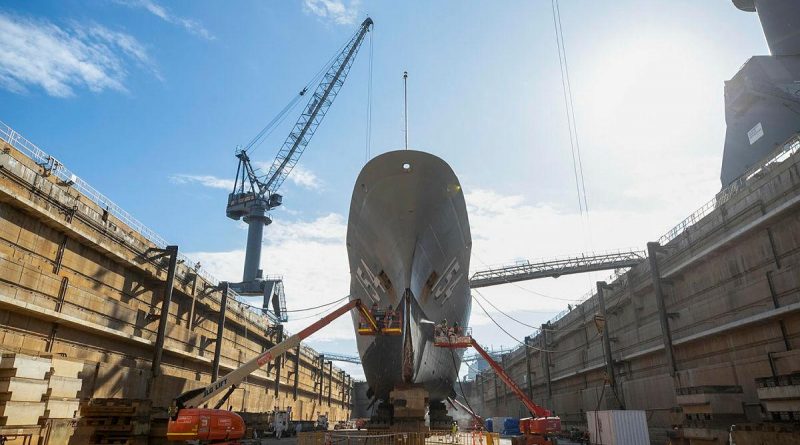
[[77, 281], [730, 282]]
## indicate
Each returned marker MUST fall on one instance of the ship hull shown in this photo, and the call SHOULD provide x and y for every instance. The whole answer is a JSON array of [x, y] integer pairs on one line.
[[409, 243]]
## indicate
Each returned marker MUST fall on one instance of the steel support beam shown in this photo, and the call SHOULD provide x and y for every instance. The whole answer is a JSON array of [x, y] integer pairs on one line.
[[655, 276], [601, 288], [296, 372], [190, 323], [172, 251], [528, 367], [496, 392], [321, 371], [505, 389], [330, 381], [278, 360], [546, 359], [223, 306]]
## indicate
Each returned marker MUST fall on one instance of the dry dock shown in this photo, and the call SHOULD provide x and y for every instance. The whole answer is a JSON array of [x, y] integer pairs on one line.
[[82, 279], [702, 335]]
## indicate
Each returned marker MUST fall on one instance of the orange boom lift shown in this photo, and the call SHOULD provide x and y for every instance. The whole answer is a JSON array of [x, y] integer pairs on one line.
[[536, 430], [218, 426]]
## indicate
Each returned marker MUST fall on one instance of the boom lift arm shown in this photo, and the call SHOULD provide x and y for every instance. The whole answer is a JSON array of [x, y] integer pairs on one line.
[[532, 407], [189, 422], [537, 428]]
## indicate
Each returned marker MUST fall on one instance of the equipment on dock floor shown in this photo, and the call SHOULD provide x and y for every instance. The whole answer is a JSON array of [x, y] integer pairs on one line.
[[256, 194], [536, 430], [190, 422]]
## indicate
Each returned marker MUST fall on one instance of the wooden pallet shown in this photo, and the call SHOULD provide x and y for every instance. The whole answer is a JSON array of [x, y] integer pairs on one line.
[[115, 421]]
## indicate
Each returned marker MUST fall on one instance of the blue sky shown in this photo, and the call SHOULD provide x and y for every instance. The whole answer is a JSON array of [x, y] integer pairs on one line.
[[147, 101]]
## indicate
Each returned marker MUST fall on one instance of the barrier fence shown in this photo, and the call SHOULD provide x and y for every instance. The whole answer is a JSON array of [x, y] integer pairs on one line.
[[396, 438]]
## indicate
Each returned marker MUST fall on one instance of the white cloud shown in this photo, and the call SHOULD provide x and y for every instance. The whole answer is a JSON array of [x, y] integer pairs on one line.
[[204, 180], [334, 10], [305, 178], [190, 25], [312, 257], [60, 59], [299, 176]]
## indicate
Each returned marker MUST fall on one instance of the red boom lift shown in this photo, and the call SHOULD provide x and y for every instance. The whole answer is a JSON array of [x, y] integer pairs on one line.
[[536, 430], [218, 426]]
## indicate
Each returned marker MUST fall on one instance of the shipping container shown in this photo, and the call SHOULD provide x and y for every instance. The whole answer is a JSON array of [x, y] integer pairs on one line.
[[617, 427], [511, 427], [498, 423]]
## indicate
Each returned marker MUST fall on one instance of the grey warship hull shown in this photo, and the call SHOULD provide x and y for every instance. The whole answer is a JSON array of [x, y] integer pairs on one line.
[[408, 243]]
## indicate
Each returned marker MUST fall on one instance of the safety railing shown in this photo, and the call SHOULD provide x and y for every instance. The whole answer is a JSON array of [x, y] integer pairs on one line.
[[59, 170], [779, 155], [436, 437]]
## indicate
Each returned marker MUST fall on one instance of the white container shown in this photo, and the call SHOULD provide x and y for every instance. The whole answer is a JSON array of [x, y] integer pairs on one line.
[[617, 427]]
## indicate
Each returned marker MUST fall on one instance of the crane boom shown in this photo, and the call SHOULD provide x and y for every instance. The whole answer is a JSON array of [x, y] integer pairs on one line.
[[254, 195], [315, 111]]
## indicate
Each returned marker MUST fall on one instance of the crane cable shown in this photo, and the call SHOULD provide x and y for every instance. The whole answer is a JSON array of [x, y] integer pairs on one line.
[[523, 343], [368, 141], [537, 328], [284, 113], [303, 309], [569, 104]]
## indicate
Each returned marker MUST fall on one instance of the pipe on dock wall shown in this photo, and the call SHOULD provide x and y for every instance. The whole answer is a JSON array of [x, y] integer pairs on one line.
[[223, 306], [172, 251], [652, 252], [601, 287]]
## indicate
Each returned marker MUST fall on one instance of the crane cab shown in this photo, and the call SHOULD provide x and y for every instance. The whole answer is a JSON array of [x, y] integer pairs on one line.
[[377, 321], [453, 337]]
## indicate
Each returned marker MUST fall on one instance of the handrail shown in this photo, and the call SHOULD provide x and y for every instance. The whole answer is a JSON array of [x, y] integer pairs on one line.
[[60, 171], [780, 154]]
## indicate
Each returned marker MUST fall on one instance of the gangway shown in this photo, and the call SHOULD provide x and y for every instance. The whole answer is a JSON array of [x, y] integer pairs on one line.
[[538, 429], [334, 357], [556, 267]]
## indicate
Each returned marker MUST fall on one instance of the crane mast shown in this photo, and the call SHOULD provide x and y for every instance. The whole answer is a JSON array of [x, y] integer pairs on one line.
[[254, 195]]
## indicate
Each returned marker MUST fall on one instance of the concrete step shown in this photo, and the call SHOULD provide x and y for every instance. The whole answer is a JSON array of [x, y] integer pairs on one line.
[[59, 386], [21, 413], [66, 367], [61, 408], [21, 389], [19, 365]]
